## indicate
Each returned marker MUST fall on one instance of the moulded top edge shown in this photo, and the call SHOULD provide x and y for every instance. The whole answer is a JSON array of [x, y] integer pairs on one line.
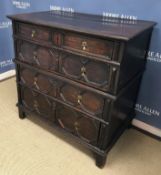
[[114, 28]]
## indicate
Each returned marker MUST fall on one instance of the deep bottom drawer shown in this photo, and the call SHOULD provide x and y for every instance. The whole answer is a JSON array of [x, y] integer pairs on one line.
[[78, 124], [70, 120]]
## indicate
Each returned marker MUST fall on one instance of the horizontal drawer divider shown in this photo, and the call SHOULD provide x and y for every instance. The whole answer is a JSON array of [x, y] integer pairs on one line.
[[113, 97], [49, 45], [77, 139], [59, 101]]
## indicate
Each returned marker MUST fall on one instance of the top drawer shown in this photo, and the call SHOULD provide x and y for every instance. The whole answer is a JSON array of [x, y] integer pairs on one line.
[[70, 41], [34, 32], [89, 45]]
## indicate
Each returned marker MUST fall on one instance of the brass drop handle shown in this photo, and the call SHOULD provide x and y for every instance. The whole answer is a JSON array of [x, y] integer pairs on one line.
[[33, 33], [84, 45], [36, 106], [35, 82], [76, 125], [79, 99], [84, 75], [83, 70], [35, 54], [36, 58]]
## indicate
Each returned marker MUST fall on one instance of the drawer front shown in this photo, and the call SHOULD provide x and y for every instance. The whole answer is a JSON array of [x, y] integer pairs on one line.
[[85, 100], [89, 45], [38, 81], [34, 32], [82, 69], [77, 124], [36, 102], [88, 102], [42, 57]]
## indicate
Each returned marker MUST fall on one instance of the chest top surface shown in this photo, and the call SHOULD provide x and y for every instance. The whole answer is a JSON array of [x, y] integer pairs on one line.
[[87, 23]]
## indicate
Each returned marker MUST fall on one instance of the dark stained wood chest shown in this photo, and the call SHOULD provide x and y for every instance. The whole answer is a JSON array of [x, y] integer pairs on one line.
[[80, 72]]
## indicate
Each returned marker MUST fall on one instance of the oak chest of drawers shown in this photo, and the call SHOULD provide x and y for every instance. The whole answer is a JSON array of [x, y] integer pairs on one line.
[[81, 73]]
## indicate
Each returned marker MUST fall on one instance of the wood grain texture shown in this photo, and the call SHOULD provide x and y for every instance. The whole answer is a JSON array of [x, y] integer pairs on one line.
[[83, 70], [39, 56], [87, 44]]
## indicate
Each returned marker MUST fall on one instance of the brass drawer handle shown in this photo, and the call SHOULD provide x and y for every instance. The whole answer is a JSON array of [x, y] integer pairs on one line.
[[36, 106], [79, 99], [36, 58], [83, 70], [33, 33], [84, 45], [35, 83], [76, 125], [84, 75]]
